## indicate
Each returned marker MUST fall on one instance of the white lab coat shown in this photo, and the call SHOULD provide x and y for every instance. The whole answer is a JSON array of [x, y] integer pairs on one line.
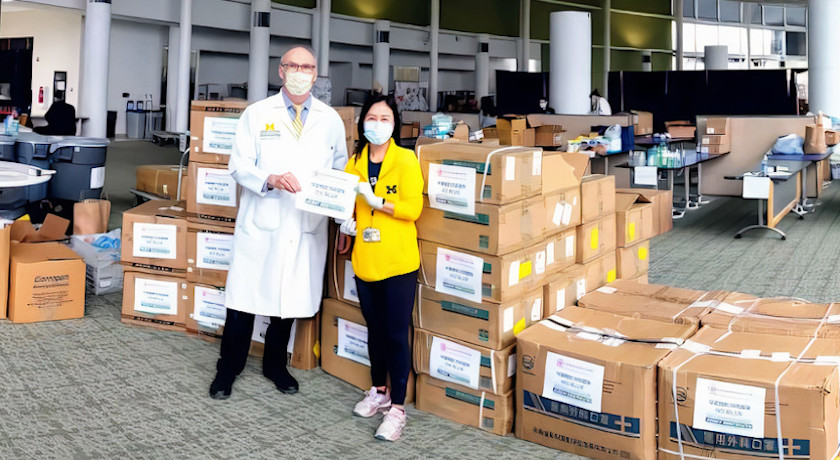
[[279, 252]]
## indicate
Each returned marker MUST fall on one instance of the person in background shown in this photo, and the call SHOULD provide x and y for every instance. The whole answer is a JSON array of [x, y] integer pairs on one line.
[[544, 108], [385, 256], [61, 120], [598, 104], [279, 252]]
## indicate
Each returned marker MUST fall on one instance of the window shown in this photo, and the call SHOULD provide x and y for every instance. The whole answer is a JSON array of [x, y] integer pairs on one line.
[[707, 9], [774, 15], [688, 8], [730, 11], [796, 16]]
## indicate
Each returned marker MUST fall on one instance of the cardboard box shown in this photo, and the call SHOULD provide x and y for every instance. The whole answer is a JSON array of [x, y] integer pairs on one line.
[[587, 382], [550, 136], [597, 194], [488, 325], [633, 261], [158, 301], [715, 149], [154, 237], [408, 130], [209, 252], [508, 276], [832, 137], [490, 133], [304, 347], [46, 282], [54, 228], [563, 290], [634, 219], [600, 271], [212, 194], [486, 411], [716, 139], [642, 123], [718, 125], [465, 364], [160, 180], [562, 171], [493, 230], [349, 364], [340, 280], [781, 316], [5, 242], [651, 301], [663, 203], [461, 132], [206, 311], [513, 174], [723, 395], [681, 129], [213, 129], [596, 238], [514, 131], [562, 210]]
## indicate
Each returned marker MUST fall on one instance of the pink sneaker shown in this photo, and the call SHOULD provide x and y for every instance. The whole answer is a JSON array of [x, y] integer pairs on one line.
[[392, 425], [373, 403]]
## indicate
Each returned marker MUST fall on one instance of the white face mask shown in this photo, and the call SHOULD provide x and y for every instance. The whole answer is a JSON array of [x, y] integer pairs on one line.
[[378, 132], [298, 83]]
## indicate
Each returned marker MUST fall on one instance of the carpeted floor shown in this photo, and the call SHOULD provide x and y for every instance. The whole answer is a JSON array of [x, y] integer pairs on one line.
[[96, 388]]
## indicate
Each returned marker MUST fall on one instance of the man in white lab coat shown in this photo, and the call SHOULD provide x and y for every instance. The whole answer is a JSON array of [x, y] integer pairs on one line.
[[279, 252]]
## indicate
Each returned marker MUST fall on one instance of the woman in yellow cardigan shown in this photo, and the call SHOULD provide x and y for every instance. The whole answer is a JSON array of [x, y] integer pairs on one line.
[[385, 256]]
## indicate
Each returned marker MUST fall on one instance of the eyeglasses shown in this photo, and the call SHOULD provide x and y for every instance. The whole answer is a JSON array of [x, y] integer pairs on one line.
[[308, 68]]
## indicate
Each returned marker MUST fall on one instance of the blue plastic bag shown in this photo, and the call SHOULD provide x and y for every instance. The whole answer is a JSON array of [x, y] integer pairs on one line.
[[788, 145]]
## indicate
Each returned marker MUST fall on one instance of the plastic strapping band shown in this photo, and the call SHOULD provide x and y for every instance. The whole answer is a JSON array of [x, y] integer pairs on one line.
[[419, 308], [493, 370], [481, 409], [335, 266], [487, 168], [676, 406], [697, 303]]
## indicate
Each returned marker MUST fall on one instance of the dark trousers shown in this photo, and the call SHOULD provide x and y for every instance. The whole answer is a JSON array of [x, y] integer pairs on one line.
[[236, 341], [386, 306]]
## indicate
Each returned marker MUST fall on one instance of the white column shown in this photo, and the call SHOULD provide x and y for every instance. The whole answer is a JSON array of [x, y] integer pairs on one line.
[[172, 77], [524, 35], [571, 41], [434, 49], [678, 16], [747, 13], [482, 67], [381, 54], [258, 55], [607, 46], [182, 104], [95, 49], [823, 65], [323, 50], [716, 57], [315, 35]]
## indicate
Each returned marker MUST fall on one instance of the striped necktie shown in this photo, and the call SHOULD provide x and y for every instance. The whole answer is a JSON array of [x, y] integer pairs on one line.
[[297, 125]]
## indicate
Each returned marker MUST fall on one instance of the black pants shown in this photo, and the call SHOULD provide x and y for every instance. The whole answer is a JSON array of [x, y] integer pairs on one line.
[[387, 306], [236, 341]]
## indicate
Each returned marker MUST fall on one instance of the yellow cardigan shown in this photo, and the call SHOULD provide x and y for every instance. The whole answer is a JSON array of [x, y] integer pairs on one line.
[[400, 182]]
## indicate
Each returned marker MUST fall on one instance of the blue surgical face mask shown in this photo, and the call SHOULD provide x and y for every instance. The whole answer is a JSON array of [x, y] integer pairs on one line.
[[378, 132]]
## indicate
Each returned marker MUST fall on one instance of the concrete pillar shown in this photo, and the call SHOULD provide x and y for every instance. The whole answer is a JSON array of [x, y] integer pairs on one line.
[[95, 49], [182, 103], [315, 38], [258, 55], [823, 65], [607, 47], [381, 55], [571, 42], [434, 49], [324, 9], [482, 67], [747, 11], [524, 56], [172, 77], [716, 57], [678, 16]]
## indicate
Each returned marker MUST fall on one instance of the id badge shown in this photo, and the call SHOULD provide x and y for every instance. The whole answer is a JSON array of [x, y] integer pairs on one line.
[[371, 235]]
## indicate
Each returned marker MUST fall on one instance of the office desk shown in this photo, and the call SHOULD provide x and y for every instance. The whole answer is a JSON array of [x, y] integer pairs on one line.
[[783, 195], [803, 206]]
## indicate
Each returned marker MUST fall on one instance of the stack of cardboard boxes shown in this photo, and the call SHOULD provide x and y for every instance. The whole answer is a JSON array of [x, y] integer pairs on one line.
[[634, 229], [717, 138], [348, 116]]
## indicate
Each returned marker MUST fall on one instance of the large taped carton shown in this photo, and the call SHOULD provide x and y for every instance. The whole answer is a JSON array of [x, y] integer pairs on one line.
[[595, 238], [600, 271], [634, 219], [160, 180], [727, 394], [586, 382], [212, 193], [633, 261], [213, 129], [158, 301], [481, 409], [776, 316], [563, 289], [597, 193], [154, 237], [209, 253]]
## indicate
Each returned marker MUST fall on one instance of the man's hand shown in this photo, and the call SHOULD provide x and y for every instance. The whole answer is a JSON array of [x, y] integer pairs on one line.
[[286, 181]]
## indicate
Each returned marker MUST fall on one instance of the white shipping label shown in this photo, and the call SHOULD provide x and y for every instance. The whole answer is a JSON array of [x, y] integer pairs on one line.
[[557, 218], [454, 363], [213, 250], [156, 241], [536, 169], [536, 311], [581, 288], [219, 135], [452, 188], [508, 320], [567, 214], [570, 246], [459, 274], [155, 297], [573, 381], [97, 177], [328, 192], [209, 306], [215, 187], [350, 291], [549, 254], [510, 167], [353, 341], [260, 327], [540, 268], [561, 299], [511, 365], [730, 408], [513, 273]]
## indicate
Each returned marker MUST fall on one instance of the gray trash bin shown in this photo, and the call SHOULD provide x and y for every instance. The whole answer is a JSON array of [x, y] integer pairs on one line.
[[79, 164], [34, 149], [135, 124]]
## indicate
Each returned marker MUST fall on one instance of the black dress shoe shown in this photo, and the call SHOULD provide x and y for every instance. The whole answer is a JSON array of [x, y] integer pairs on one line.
[[284, 382], [221, 387]]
